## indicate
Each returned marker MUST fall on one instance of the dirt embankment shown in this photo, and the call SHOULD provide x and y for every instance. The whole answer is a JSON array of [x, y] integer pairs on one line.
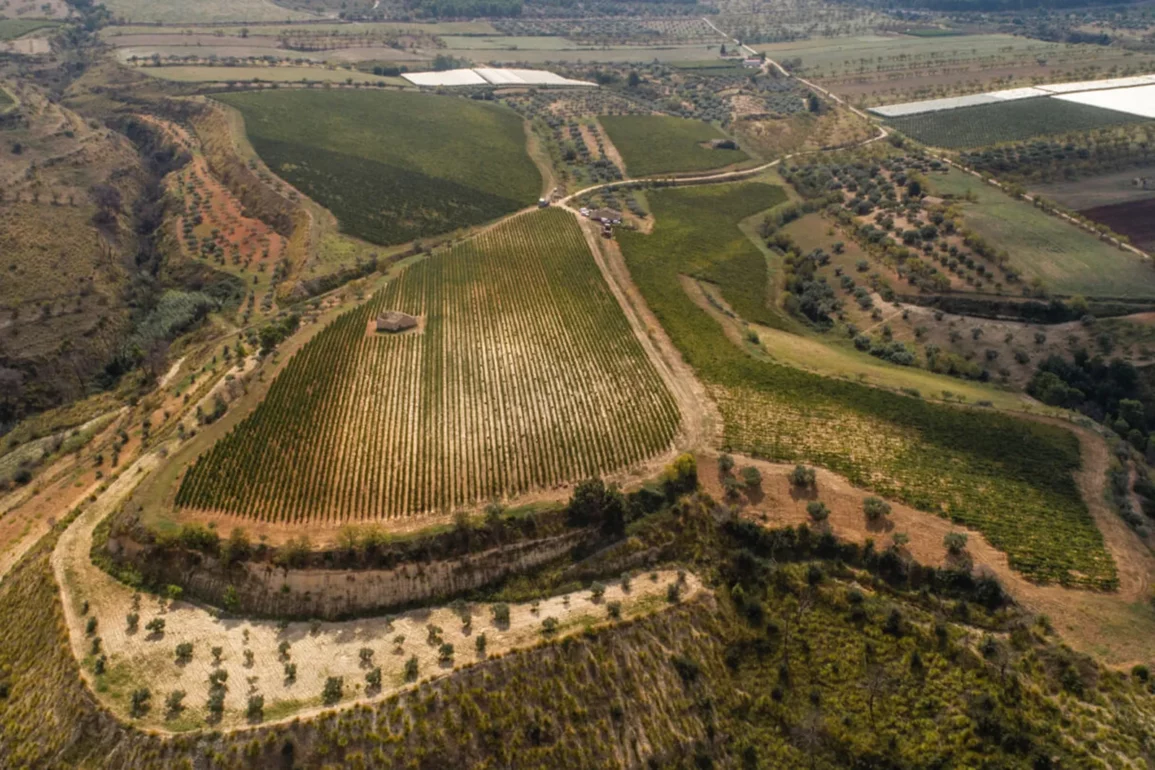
[[264, 589]]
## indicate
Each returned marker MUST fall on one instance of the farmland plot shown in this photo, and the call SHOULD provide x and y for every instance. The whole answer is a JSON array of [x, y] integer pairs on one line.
[[394, 166], [1008, 478], [523, 374], [659, 144], [1008, 121]]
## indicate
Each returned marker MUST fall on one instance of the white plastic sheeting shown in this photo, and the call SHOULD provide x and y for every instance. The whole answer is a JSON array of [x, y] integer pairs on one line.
[[490, 76]]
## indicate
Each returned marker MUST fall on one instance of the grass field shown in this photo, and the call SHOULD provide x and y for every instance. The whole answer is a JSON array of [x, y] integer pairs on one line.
[[1068, 260], [394, 166], [201, 11], [1009, 478], [219, 74], [1011, 121], [524, 374], [10, 29], [659, 144], [5, 99]]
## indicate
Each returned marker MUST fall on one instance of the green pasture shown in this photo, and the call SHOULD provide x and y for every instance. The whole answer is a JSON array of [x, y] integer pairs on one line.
[[10, 29], [1066, 259]]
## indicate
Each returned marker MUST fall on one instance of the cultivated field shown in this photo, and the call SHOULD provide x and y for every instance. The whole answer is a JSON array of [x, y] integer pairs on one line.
[[1009, 121], [523, 374], [1009, 478], [252, 74], [10, 29], [394, 166], [201, 11], [1068, 260], [1136, 220], [1101, 189], [659, 144]]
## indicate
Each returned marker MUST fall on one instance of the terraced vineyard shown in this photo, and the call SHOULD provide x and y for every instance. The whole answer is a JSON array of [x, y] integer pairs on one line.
[[523, 373], [1010, 478]]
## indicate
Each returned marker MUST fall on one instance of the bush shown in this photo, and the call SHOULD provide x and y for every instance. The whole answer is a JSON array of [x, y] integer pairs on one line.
[[334, 687], [955, 542], [411, 669], [256, 708], [597, 591], [132, 622], [174, 703], [549, 626], [373, 679], [751, 477], [615, 610], [725, 463], [875, 508], [140, 698], [818, 510], [445, 652], [290, 672], [803, 477], [184, 652], [501, 614]]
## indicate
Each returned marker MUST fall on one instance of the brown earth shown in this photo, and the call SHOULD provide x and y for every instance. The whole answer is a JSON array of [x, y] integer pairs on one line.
[[1136, 220]]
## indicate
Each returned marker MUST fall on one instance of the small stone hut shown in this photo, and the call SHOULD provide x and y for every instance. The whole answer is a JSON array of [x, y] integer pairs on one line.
[[394, 321]]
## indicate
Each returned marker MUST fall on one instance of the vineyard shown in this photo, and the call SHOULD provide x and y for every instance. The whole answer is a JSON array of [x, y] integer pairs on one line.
[[394, 166], [1012, 121], [659, 144], [1009, 478], [522, 374]]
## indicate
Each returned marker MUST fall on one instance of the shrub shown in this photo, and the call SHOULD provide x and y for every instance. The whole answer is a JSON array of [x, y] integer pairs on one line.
[[445, 652], [549, 626], [725, 463], [132, 622], [366, 655], [875, 508], [290, 672], [501, 614], [955, 542], [803, 476], [283, 649], [411, 669], [256, 708], [140, 698], [751, 477], [373, 679], [334, 687], [90, 626], [597, 591], [818, 510], [155, 626], [480, 645], [184, 652], [615, 610], [217, 652], [174, 703]]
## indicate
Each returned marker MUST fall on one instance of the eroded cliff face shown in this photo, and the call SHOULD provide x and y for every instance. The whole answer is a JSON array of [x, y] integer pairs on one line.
[[262, 588]]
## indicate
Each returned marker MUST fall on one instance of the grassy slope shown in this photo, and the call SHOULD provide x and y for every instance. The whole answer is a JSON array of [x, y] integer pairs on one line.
[[1011, 121], [659, 144], [394, 166], [10, 29], [1067, 259], [1009, 478], [5, 99]]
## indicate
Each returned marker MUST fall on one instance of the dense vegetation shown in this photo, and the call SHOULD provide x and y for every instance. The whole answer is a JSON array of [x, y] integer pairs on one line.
[[1009, 478], [1010, 121], [394, 166], [524, 373], [813, 653], [659, 144]]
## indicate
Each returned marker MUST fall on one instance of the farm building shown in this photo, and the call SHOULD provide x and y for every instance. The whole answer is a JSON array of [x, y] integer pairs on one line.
[[752, 63], [607, 216], [393, 321]]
